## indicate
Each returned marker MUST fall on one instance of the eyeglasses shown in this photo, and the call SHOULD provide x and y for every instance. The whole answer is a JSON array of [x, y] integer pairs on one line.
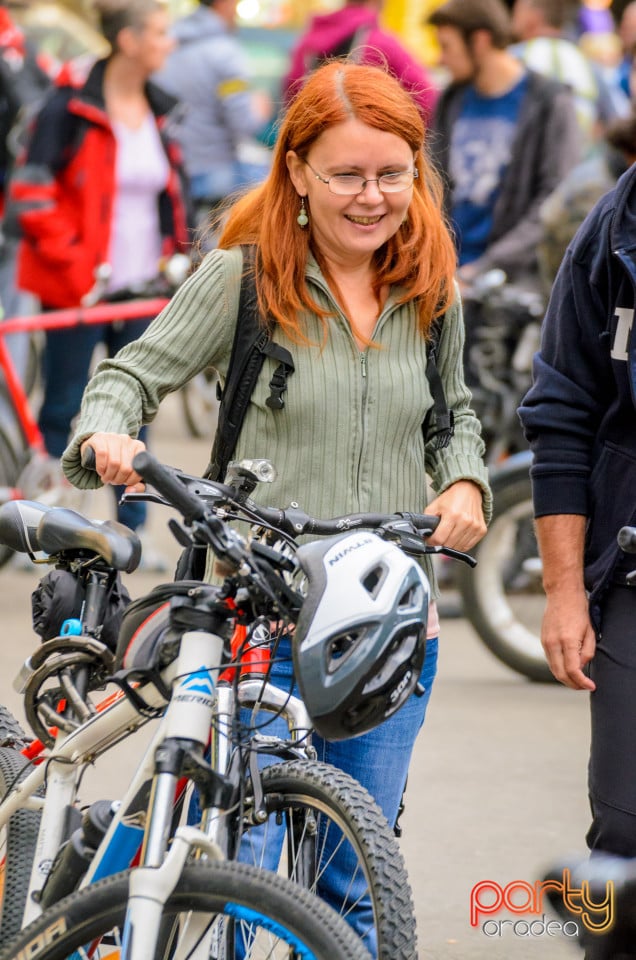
[[350, 184]]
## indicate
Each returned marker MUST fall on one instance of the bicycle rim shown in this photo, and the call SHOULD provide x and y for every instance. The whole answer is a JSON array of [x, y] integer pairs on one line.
[[268, 917]]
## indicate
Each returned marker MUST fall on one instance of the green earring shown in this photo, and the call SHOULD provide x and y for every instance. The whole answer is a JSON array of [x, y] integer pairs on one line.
[[302, 219]]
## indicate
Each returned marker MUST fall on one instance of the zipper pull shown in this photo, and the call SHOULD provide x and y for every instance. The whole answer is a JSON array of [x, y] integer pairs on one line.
[[363, 361]]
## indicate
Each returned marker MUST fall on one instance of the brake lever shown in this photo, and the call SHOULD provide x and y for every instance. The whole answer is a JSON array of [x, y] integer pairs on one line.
[[146, 497], [413, 545], [453, 554]]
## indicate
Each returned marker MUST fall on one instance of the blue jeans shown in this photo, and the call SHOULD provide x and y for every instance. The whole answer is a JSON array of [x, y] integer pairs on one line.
[[379, 760], [66, 363]]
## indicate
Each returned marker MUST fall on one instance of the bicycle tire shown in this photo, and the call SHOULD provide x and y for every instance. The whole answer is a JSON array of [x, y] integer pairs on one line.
[[298, 790], [9, 474], [200, 404], [506, 617], [18, 840], [233, 890], [11, 731]]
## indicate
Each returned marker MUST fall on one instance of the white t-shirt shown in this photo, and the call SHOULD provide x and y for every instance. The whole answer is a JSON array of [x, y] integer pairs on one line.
[[141, 174]]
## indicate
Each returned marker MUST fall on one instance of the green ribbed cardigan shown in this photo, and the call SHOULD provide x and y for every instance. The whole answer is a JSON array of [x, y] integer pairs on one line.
[[349, 438]]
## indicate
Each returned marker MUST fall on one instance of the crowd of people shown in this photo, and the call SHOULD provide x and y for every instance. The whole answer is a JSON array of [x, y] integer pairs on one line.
[[390, 187]]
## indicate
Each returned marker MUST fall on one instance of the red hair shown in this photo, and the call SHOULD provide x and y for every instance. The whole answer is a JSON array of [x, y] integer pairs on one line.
[[420, 257]]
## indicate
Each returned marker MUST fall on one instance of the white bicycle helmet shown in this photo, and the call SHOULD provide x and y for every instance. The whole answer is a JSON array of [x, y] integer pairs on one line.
[[360, 638]]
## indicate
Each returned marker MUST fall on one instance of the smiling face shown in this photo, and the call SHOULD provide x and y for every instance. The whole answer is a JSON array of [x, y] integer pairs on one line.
[[350, 229]]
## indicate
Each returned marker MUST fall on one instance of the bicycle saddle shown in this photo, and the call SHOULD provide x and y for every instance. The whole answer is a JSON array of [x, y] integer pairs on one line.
[[27, 526], [19, 521], [63, 529]]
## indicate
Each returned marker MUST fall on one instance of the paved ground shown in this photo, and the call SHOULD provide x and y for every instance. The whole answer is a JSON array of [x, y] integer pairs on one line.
[[497, 788]]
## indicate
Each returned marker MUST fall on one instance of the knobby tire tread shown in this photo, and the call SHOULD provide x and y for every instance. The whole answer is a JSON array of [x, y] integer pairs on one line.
[[377, 845], [21, 835]]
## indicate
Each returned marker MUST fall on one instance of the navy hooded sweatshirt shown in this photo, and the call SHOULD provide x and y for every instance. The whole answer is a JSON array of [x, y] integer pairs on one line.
[[580, 414]]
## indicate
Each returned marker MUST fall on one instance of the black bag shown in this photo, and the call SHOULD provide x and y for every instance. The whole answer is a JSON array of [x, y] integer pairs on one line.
[[145, 629], [59, 596]]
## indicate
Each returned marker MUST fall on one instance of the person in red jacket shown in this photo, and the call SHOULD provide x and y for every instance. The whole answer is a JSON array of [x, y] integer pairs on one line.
[[99, 192], [355, 31]]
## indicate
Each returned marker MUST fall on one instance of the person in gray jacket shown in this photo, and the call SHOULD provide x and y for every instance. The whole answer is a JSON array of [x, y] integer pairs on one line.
[[208, 72], [503, 138]]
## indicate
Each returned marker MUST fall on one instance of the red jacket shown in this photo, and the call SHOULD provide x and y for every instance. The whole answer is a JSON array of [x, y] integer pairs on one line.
[[61, 193]]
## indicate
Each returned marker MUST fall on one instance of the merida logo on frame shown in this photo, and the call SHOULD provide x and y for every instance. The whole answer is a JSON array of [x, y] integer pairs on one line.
[[594, 912]]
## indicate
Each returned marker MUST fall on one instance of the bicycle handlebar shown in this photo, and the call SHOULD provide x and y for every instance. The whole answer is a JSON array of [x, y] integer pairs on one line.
[[149, 469], [173, 486], [192, 497]]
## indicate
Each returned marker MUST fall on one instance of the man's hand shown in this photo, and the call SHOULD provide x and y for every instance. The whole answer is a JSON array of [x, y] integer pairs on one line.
[[114, 453], [567, 634], [568, 638]]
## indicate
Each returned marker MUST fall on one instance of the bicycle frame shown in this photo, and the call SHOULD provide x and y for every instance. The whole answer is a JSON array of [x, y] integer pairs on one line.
[[190, 716], [57, 320]]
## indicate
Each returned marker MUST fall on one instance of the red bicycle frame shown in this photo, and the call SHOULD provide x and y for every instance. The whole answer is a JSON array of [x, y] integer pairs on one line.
[[58, 320]]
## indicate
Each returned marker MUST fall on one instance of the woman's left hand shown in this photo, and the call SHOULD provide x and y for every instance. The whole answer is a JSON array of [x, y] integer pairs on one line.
[[460, 508]]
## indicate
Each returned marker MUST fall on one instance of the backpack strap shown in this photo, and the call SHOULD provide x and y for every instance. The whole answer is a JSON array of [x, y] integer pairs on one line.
[[252, 343], [439, 423]]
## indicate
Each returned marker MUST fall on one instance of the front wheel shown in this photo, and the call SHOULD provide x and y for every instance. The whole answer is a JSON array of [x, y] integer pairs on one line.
[[327, 833], [269, 917], [503, 596]]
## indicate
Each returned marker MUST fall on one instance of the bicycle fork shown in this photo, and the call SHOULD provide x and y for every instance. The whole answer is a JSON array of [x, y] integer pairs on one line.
[[187, 727]]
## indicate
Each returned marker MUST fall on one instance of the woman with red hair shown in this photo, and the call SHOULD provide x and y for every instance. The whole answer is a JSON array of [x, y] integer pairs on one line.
[[354, 263]]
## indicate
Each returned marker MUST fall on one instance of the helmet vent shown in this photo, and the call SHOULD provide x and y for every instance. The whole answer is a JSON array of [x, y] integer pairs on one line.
[[411, 599], [341, 647], [374, 579]]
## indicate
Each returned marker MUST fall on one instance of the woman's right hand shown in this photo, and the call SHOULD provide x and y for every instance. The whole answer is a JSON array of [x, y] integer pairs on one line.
[[114, 453]]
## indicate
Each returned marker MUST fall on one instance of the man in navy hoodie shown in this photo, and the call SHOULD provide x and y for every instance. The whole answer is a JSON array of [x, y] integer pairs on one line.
[[580, 419]]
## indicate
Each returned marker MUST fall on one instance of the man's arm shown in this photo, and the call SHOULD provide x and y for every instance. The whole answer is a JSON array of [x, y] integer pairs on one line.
[[567, 634]]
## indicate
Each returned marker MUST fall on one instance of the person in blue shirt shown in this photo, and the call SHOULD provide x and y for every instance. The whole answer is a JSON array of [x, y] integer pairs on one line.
[[503, 138]]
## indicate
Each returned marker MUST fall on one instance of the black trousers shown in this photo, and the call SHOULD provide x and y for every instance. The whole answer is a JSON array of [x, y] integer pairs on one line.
[[612, 764]]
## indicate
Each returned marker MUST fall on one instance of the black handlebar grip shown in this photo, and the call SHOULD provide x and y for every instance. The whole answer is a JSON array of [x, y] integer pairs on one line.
[[169, 486], [425, 521], [88, 458], [627, 539]]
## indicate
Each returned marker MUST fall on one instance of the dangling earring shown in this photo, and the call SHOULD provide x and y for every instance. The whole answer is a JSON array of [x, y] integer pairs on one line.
[[302, 219]]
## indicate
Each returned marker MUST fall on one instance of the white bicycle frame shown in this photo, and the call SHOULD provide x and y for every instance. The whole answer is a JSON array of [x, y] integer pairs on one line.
[[196, 707]]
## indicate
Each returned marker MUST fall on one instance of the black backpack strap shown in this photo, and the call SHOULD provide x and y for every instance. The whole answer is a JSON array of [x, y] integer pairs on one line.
[[278, 383], [439, 423], [252, 343]]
